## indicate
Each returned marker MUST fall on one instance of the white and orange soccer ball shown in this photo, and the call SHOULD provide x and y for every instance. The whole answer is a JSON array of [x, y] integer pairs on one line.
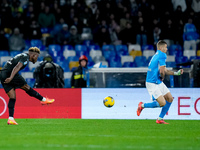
[[108, 101]]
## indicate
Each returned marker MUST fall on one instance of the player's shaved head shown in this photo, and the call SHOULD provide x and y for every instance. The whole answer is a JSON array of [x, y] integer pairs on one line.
[[161, 43]]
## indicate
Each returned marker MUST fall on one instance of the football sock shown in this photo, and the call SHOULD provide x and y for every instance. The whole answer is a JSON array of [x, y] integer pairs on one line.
[[34, 93], [151, 105], [11, 118], [165, 109], [11, 105], [43, 99]]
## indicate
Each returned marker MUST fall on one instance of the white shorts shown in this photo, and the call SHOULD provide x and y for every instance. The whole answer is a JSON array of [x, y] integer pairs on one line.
[[156, 90]]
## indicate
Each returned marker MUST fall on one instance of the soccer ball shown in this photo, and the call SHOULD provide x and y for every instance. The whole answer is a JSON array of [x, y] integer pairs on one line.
[[108, 101]]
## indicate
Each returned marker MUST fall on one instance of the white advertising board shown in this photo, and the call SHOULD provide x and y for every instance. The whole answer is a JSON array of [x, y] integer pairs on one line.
[[186, 104]]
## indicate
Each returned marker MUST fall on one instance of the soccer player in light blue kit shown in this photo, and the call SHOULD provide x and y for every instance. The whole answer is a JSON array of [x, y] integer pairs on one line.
[[158, 91]]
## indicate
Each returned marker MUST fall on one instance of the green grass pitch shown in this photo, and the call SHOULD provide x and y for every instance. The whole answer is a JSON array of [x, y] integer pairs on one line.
[[81, 134]]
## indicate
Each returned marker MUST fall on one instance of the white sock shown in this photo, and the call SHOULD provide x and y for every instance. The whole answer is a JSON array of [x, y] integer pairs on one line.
[[160, 118], [11, 118], [44, 99], [142, 105]]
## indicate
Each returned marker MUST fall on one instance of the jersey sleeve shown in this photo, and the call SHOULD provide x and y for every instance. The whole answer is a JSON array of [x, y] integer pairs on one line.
[[162, 59], [24, 60]]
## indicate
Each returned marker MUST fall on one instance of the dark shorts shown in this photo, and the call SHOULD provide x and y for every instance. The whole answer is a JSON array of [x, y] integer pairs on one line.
[[17, 82]]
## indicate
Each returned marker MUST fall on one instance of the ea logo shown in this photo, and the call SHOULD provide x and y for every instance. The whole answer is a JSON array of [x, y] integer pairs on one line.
[[4, 110]]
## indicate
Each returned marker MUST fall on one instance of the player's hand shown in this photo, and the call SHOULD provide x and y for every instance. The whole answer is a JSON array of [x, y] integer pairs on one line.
[[179, 72], [7, 80]]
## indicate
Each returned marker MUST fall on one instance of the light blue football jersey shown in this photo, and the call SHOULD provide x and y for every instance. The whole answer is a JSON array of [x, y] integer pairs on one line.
[[153, 73]]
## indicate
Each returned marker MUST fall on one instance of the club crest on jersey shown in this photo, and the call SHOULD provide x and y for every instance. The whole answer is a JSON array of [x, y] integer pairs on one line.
[[25, 62]]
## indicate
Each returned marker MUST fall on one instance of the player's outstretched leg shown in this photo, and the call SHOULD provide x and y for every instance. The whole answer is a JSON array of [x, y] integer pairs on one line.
[[140, 108], [47, 101], [44, 101]]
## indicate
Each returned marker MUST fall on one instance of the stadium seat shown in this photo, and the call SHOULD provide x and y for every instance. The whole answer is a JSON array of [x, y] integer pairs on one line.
[[14, 53], [97, 59], [55, 50], [81, 50], [4, 59], [67, 47], [58, 59], [148, 53], [72, 58], [147, 47], [140, 61], [86, 36], [134, 53], [189, 53], [108, 54], [30, 82], [33, 66], [170, 58], [94, 53], [135, 47], [4, 53], [67, 53], [128, 64], [73, 64], [108, 48], [198, 52], [93, 47], [114, 61], [194, 57], [149, 59], [181, 59], [175, 50], [170, 64], [36, 42], [67, 83], [27, 75], [104, 63], [64, 65], [126, 59], [87, 43], [121, 47]]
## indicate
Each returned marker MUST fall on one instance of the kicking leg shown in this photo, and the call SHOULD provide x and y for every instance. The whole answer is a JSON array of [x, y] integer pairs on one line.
[[31, 92]]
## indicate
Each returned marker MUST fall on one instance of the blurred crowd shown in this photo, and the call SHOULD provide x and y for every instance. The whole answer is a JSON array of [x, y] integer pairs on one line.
[[116, 22]]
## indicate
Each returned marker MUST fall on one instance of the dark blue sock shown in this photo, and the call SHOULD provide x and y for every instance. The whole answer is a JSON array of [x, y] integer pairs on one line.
[[151, 105], [165, 109]]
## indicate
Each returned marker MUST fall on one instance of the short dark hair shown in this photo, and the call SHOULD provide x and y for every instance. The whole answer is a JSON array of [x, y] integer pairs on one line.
[[161, 43]]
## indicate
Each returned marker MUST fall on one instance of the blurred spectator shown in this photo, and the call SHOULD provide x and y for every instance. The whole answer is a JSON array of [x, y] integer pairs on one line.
[[156, 35], [46, 19], [93, 7], [181, 3], [116, 36], [85, 17], [141, 32], [62, 37], [102, 37], [95, 19], [168, 30], [48, 74], [74, 37], [128, 35], [190, 35], [4, 41], [80, 77], [6, 14], [16, 42], [196, 6], [77, 23], [124, 20], [34, 31]]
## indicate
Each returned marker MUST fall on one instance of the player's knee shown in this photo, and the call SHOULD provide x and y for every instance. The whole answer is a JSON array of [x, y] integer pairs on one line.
[[162, 103]]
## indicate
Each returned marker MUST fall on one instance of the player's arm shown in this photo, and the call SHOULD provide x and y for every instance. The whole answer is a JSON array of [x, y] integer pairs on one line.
[[14, 71], [176, 73], [162, 72]]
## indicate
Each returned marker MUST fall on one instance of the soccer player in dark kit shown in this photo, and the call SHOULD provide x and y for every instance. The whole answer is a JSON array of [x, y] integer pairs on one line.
[[11, 80]]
